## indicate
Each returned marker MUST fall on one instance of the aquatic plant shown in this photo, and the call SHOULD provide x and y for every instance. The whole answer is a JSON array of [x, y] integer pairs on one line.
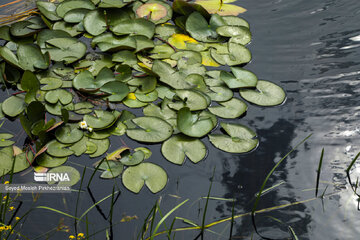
[[79, 61]]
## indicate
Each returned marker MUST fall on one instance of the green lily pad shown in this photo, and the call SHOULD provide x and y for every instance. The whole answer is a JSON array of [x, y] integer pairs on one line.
[[67, 27], [147, 97], [241, 79], [237, 54], [51, 83], [73, 174], [83, 108], [110, 42], [193, 100], [138, 26], [31, 58], [219, 93], [68, 50], [55, 109], [22, 160], [48, 34], [165, 92], [191, 125], [95, 22], [178, 147], [91, 147], [59, 95], [133, 159], [151, 129], [57, 149], [132, 102], [6, 160], [45, 160], [144, 84], [200, 29], [118, 128], [266, 94], [102, 134], [155, 11], [27, 28], [117, 90], [69, 5], [161, 52], [233, 108], [76, 15], [102, 146], [48, 10], [152, 175], [80, 147], [240, 139], [13, 105], [68, 134], [235, 21], [242, 35], [4, 139], [102, 119], [112, 169], [170, 76], [145, 150], [113, 3]]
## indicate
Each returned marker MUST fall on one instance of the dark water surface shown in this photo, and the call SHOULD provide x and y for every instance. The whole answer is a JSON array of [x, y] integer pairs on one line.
[[311, 49]]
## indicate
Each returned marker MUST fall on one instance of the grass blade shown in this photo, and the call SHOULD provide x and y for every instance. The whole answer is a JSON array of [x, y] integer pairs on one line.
[[318, 173]]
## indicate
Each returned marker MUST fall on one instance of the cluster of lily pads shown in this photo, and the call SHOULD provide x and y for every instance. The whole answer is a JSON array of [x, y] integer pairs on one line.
[[80, 60]]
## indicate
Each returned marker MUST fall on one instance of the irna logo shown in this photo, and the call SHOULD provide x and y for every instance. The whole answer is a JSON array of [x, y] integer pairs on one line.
[[49, 177]]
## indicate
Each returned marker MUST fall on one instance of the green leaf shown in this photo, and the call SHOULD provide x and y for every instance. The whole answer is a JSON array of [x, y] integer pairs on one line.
[[178, 147], [112, 169], [48, 10], [266, 94], [192, 99], [237, 54], [4, 142], [6, 160], [69, 5], [48, 34], [241, 79], [65, 49], [151, 129], [31, 58], [133, 159], [147, 97], [30, 83], [240, 139], [95, 22], [59, 95], [138, 26], [235, 21], [113, 3], [68, 134], [57, 149], [200, 29], [67, 27], [102, 119], [83, 108], [51, 83], [74, 175], [155, 11], [152, 175], [110, 42], [233, 108], [13, 105], [191, 125], [45, 160], [76, 15], [102, 146], [242, 35], [22, 160], [144, 84]]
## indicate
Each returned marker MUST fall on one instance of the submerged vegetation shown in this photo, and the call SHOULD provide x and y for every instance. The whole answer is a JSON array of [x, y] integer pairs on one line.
[[79, 61]]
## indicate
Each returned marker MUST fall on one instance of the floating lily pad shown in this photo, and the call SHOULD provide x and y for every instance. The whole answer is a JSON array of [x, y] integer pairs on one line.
[[233, 108], [102, 134], [194, 100], [113, 3], [76, 15], [51, 83], [240, 139], [135, 27], [111, 169], [95, 22], [69, 5], [145, 150], [152, 175], [241, 79], [65, 49], [48, 10], [117, 90], [235, 21], [132, 102], [73, 174], [241, 34], [45, 160], [4, 139], [59, 95], [22, 160], [133, 159], [200, 29], [151, 129], [102, 146], [221, 7], [57, 149], [102, 119], [13, 105], [6, 160], [147, 97], [31, 58], [266, 94], [191, 125], [68, 134], [178, 147], [237, 54]]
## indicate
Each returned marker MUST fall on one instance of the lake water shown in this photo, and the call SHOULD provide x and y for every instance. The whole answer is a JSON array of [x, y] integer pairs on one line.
[[311, 49]]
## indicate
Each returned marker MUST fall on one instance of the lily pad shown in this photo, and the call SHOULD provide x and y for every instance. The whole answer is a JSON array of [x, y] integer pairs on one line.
[[240, 139], [221, 7], [76, 15], [233, 108], [48, 10], [4, 139], [193, 100], [51, 83], [266, 94], [200, 29], [6, 160], [95, 22], [68, 50], [59, 95], [45, 160], [242, 34], [102, 146], [178, 147], [83, 108], [22, 160], [133, 159], [151, 129], [68, 134], [152, 175], [117, 90], [237, 54], [241, 79], [13, 105], [69, 5], [73, 174], [112, 169], [57, 149], [102, 119], [134, 27], [191, 125], [156, 11]]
